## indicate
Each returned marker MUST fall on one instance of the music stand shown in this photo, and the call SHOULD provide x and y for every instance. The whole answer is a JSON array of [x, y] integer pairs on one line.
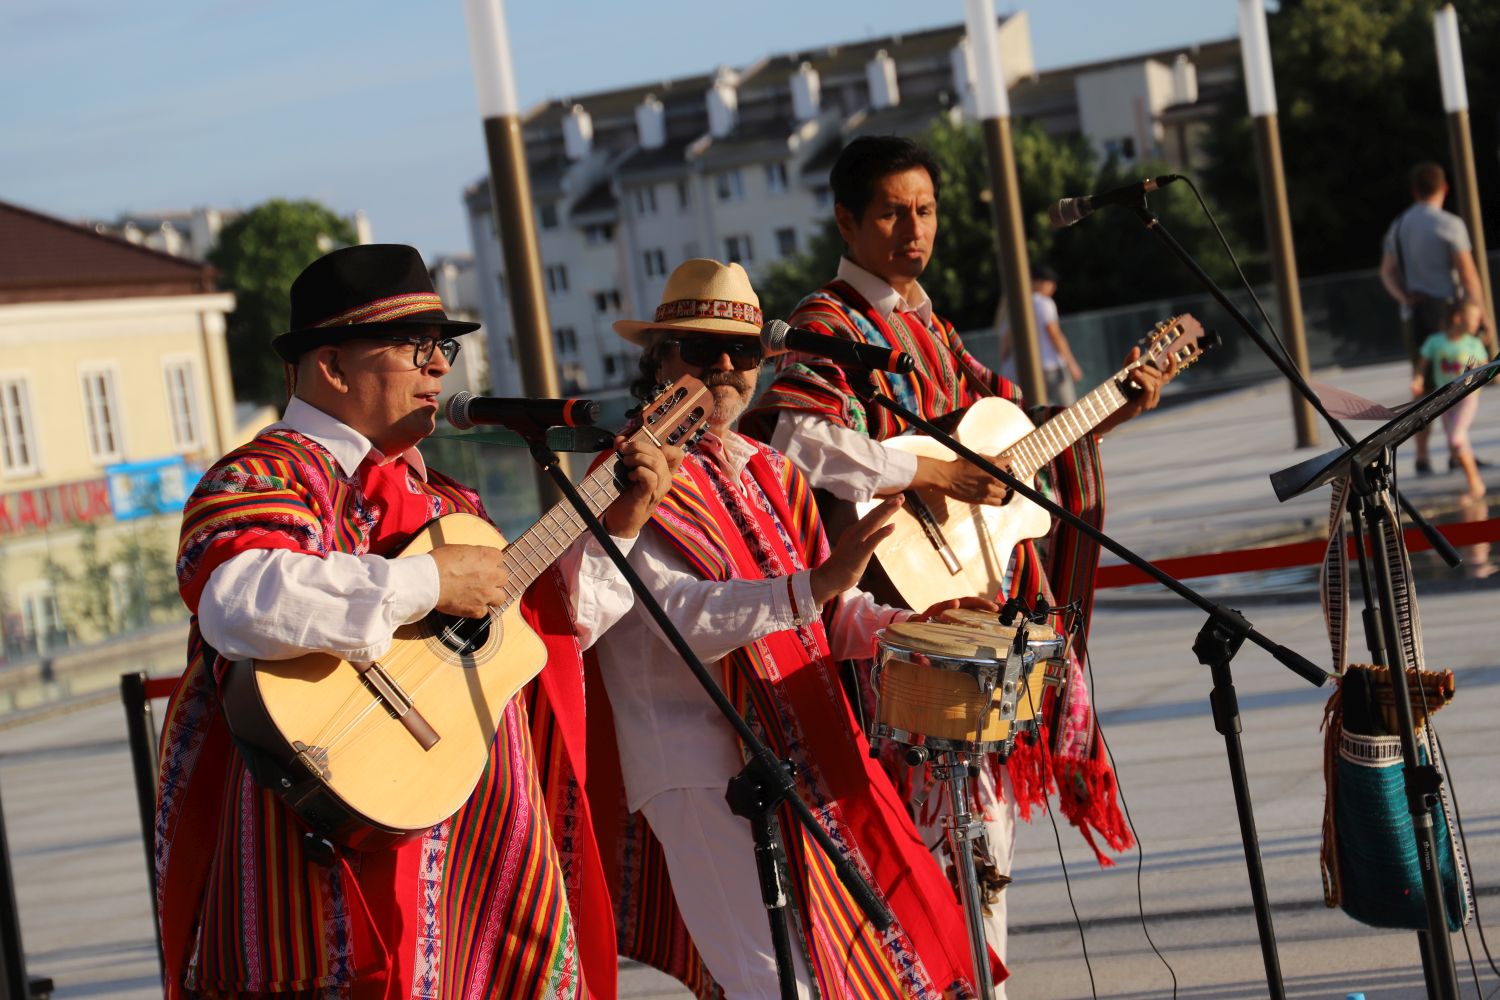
[[1314, 472], [1368, 464]]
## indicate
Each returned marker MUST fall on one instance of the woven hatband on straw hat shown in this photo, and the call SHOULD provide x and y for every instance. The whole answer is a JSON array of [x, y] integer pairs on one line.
[[370, 288], [702, 295]]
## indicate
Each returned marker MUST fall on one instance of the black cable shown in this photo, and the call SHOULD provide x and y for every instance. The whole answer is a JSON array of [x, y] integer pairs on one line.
[[1057, 838], [1275, 336], [1140, 851]]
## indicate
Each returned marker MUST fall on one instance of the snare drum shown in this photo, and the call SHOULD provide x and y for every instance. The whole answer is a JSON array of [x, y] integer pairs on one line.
[[941, 684]]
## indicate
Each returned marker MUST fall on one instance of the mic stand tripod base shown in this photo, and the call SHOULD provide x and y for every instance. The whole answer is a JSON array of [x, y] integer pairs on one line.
[[751, 797], [963, 829]]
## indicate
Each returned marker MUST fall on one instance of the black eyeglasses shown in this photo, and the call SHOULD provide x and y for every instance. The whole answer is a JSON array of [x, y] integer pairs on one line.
[[424, 347], [744, 352]]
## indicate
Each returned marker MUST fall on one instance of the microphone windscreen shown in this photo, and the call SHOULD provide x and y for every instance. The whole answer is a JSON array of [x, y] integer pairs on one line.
[[458, 410], [773, 336]]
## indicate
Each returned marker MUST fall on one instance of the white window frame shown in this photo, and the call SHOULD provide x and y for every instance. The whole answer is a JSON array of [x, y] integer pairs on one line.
[[776, 178], [729, 185], [21, 420], [738, 248], [655, 261], [186, 422], [96, 445]]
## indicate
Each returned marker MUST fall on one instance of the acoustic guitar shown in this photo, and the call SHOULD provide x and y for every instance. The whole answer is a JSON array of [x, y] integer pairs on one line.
[[369, 754], [944, 548]]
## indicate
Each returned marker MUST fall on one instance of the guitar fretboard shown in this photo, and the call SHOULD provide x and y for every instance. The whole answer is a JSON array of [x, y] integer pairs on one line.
[[1052, 438], [539, 545]]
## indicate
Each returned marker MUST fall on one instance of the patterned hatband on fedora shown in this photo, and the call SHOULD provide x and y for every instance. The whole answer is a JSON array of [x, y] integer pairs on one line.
[[705, 296], [360, 290]]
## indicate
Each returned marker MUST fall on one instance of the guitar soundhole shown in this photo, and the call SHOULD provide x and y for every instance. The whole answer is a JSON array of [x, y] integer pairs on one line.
[[464, 636]]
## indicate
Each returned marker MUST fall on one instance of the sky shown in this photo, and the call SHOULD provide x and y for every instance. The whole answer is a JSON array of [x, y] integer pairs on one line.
[[108, 107]]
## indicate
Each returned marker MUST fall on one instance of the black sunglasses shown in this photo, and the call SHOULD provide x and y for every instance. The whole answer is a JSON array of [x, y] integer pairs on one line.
[[744, 353], [423, 347]]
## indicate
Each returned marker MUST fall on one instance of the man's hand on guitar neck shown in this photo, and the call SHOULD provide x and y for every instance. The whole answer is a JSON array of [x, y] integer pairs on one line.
[[651, 471], [1148, 380], [962, 481]]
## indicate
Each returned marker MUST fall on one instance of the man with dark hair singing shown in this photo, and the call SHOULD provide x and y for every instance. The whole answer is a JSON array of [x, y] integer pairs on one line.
[[886, 191]]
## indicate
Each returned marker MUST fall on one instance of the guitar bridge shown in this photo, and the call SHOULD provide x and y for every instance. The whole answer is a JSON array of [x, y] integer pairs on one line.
[[932, 530], [314, 758]]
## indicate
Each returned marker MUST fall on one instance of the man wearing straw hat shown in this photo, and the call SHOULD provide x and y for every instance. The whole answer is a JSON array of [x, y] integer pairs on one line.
[[283, 553], [736, 555]]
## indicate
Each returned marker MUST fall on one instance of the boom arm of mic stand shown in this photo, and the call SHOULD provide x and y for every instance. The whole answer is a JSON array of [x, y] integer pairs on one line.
[[768, 769], [1434, 537], [1289, 658]]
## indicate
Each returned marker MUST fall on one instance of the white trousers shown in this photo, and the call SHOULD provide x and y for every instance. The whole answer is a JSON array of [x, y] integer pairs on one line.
[[1000, 829], [710, 855]]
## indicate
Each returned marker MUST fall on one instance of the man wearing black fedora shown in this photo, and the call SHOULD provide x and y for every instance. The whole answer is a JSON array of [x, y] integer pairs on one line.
[[283, 552]]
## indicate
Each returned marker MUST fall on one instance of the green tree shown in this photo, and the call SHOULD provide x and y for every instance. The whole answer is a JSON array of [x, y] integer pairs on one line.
[[1358, 105], [258, 256]]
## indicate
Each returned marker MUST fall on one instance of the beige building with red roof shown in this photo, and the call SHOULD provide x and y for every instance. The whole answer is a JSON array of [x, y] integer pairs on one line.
[[114, 394]]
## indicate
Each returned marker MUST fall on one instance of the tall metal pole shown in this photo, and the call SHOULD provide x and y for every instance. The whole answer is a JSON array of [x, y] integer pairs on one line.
[[993, 103], [1456, 104], [510, 200], [1260, 88]]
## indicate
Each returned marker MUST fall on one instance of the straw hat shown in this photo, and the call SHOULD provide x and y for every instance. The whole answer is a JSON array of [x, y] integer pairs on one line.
[[360, 290], [705, 296]]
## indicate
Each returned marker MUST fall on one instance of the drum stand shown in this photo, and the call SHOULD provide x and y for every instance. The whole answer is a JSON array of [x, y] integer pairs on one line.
[[1241, 629], [963, 829]]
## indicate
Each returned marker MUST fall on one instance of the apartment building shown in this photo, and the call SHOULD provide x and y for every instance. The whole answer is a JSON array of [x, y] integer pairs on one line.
[[114, 394], [629, 183]]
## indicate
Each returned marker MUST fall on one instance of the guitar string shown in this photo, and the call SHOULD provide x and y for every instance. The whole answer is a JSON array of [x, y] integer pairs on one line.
[[417, 653]]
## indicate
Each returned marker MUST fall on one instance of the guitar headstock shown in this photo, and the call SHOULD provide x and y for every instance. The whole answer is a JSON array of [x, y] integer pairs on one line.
[[678, 413], [1181, 338]]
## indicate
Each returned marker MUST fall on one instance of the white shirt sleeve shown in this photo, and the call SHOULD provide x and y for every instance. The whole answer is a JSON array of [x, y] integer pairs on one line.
[[718, 617], [846, 463], [274, 604], [859, 617], [599, 596]]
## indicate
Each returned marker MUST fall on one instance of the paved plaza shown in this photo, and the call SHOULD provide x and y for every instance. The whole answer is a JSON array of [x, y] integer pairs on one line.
[[1188, 478]]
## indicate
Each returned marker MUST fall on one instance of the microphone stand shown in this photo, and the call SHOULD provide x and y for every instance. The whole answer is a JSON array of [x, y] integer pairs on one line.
[[764, 784], [1217, 642], [1379, 614]]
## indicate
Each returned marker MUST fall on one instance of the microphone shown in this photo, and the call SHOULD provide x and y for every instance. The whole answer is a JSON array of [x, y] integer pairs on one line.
[[1071, 210], [467, 410], [777, 337]]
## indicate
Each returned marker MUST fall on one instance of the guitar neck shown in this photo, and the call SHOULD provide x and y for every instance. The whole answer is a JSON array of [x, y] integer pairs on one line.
[[540, 545], [1055, 436]]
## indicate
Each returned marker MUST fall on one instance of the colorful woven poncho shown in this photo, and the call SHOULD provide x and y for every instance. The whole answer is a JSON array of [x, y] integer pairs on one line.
[[485, 904], [788, 688], [1070, 757]]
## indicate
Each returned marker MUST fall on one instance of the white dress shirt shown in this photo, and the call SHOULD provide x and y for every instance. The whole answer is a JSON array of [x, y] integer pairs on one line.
[[271, 604], [850, 465], [669, 732]]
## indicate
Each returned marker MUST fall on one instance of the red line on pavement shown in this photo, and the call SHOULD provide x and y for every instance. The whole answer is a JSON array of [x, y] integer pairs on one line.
[[1281, 556]]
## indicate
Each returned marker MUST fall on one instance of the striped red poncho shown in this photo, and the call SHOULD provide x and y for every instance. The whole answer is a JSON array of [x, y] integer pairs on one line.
[[785, 685], [487, 903], [1070, 758]]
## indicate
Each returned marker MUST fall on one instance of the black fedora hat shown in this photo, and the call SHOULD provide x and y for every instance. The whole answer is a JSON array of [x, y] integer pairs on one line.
[[360, 290]]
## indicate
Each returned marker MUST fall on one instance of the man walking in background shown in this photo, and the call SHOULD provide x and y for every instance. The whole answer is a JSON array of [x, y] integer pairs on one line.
[[1427, 265], [1060, 371]]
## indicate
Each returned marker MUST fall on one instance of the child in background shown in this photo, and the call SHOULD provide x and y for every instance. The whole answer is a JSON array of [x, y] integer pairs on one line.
[[1448, 355]]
